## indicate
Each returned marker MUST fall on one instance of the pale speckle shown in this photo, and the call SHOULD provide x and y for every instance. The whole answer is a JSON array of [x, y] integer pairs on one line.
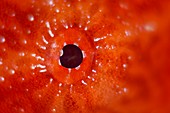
[[66, 26], [46, 85], [69, 70], [83, 82], [15, 27], [91, 87], [2, 26], [1, 61], [22, 110], [30, 17], [11, 71], [88, 77], [53, 110], [2, 79], [10, 87], [57, 10], [124, 5], [94, 71], [60, 84], [21, 54], [48, 25], [2, 39], [127, 33], [50, 33], [39, 96], [124, 65], [28, 31], [22, 78], [86, 28], [40, 66], [51, 80], [13, 14], [93, 79], [78, 67], [43, 70], [125, 90], [150, 27], [44, 40], [84, 54], [53, 45], [24, 41], [27, 90], [50, 2], [59, 91], [129, 57]]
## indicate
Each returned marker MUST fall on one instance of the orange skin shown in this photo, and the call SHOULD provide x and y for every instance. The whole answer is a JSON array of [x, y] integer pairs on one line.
[[126, 68]]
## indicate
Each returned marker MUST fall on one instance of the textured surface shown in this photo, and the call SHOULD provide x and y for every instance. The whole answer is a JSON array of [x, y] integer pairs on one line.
[[125, 48]]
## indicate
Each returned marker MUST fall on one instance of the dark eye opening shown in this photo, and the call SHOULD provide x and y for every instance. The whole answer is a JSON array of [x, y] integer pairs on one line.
[[72, 56]]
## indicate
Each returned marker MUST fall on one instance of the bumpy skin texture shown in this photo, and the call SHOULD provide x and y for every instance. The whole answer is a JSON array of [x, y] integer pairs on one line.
[[126, 63]]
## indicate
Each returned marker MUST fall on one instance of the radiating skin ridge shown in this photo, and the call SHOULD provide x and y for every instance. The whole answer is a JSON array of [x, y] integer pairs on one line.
[[27, 41]]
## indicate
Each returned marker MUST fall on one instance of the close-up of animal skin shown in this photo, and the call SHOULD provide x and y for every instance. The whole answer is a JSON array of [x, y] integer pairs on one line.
[[84, 56]]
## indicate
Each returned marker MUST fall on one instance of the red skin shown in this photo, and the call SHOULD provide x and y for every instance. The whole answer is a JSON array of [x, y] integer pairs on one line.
[[132, 68]]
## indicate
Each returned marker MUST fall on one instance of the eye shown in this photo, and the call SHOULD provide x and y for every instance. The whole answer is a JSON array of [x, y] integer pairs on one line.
[[82, 56], [72, 56]]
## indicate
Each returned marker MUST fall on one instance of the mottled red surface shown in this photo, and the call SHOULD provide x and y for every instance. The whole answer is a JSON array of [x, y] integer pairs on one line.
[[126, 68]]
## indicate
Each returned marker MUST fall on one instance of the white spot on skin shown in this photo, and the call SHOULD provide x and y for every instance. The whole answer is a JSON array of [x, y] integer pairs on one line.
[[50, 2], [2, 79], [22, 110], [42, 71], [40, 66], [66, 26], [30, 17], [124, 5], [94, 71], [98, 39], [1, 61], [127, 33], [84, 55], [2, 26], [44, 40], [21, 54], [51, 80], [39, 96], [78, 67], [54, 110], [28, 31], [59, 91], [150, 27], [60, 84], [48, 25], [124, 65], [50, 33], [69, 70], [11, 71], [2, 39], [83, 82], [125, 90], [22, 79], [57, 10], [61, 52], [27, 90], [24, 41], [85, 28]]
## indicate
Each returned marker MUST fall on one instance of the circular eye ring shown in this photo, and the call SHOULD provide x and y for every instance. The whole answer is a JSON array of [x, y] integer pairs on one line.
[[72, 56], [69, 75]]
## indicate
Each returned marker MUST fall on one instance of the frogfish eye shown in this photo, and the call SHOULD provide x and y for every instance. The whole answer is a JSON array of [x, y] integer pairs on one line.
[[72, 56]]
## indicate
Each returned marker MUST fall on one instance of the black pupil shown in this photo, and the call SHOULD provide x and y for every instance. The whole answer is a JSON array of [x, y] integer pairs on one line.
[[72, 56]]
